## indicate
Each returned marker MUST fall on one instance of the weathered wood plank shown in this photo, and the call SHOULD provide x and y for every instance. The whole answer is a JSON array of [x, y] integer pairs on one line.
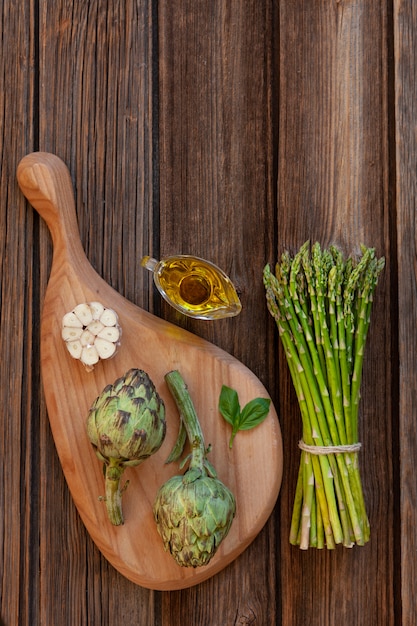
[[78, 79], [19, 440], [95, 112], [217, 190], [333, 187], [405, 46]]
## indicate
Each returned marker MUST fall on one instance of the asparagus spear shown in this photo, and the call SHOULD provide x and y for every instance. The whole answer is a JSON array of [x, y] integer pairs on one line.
[[321, 304]]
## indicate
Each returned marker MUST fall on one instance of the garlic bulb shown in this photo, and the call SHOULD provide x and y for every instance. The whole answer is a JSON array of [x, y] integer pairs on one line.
[[91, 332]]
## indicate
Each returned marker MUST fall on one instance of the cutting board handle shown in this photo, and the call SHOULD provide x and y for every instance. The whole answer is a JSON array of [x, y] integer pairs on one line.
[[46, 182]]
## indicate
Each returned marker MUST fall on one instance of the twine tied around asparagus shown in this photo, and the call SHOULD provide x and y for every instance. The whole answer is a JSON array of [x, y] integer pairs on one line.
[[353, 447]]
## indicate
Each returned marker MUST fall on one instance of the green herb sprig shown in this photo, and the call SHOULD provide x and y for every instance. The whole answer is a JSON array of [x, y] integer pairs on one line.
[[252, 414]]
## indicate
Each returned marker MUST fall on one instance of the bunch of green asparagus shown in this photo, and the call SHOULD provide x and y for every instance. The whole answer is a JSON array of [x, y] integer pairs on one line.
[[321, 303]]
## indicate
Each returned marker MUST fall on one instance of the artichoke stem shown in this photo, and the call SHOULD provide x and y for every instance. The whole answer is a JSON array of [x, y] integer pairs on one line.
[[179, 390], [113, 497], [198, 454]]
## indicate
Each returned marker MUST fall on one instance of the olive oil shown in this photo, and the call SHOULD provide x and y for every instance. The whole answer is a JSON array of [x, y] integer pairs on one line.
[[194, 286]]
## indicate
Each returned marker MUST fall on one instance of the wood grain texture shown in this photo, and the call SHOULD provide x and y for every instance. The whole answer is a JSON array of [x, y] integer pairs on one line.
[[230, 130], [332, 187], [217, 187], [405, 41], [95, 74], [19, 441]]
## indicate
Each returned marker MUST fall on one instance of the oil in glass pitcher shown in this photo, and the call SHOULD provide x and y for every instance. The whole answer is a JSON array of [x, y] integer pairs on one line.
[[194, 287]]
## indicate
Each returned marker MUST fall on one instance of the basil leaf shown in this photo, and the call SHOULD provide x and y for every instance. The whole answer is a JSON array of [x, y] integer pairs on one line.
[[229, 405], [254, 413]]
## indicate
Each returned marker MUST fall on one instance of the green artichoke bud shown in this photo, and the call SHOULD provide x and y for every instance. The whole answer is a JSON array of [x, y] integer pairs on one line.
[[194, 511], [126, 425]]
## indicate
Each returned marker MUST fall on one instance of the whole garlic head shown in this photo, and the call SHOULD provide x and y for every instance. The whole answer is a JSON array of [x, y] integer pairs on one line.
[[91, 332]]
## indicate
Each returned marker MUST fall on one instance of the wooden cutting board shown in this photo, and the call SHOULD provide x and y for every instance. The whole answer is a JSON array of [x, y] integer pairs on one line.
[[252, 469]]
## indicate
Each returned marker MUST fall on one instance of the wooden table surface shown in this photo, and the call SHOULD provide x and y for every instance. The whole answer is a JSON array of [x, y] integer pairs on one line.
[[228, 130]]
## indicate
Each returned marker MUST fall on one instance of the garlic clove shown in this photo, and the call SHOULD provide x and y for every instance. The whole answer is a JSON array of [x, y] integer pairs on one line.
[[96, 310], [87, 338], [89, 355], [70, 333], [110, 333], [108, 318], [95, 327], [105, 348], [71, 320], [83, 312], [74, 348]]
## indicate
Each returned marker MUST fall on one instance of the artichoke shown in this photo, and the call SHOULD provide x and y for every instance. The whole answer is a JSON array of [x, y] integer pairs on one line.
[[126, 425], [194, 511]]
